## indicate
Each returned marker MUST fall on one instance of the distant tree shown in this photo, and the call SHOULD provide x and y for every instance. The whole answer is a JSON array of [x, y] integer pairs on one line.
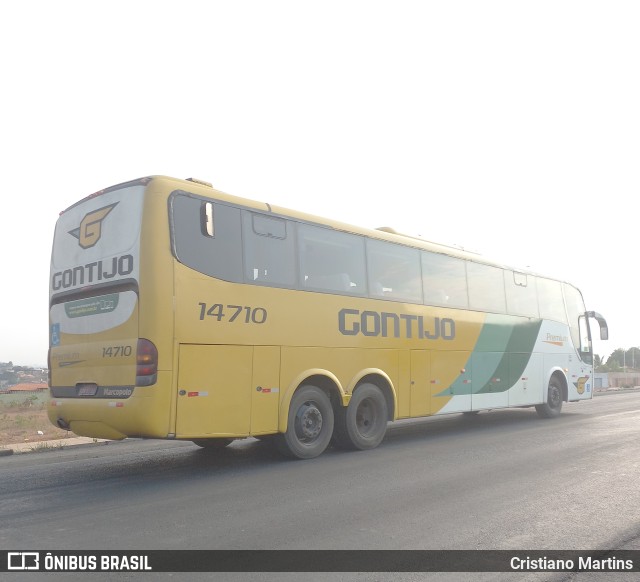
[[615, 367], [599, 364], [633, 358], [622, 359], [616, 359], [9, 377]]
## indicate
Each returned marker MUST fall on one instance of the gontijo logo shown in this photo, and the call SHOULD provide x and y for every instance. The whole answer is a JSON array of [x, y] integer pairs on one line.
[[90, 229]]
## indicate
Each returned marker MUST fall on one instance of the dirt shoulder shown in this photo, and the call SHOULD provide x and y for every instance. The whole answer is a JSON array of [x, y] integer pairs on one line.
[[23, 419]]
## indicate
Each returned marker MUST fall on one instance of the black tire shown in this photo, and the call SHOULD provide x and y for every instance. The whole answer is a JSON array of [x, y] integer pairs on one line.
[[212, 444], [363, 424], [309, 426], [553, 406]]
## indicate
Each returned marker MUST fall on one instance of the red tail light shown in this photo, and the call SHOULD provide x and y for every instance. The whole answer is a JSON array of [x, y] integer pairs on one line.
[[146, 363]]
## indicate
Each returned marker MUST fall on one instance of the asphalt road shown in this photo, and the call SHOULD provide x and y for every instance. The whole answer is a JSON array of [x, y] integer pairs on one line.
[[500, 480]]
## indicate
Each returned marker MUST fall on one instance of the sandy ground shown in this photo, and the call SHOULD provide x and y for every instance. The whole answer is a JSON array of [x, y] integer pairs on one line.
[[25, 421]]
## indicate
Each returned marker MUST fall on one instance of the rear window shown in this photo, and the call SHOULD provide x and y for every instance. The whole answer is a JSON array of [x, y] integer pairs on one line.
[[98, 240]]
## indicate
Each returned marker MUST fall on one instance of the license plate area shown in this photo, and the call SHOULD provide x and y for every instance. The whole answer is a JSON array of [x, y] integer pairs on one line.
[[87, 389]]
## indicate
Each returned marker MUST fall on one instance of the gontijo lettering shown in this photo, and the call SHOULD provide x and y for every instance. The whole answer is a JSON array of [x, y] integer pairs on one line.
[[386, 324], [92, 272]]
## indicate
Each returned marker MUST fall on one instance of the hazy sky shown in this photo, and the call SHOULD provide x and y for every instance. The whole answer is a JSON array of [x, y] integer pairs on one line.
[[511, 128]]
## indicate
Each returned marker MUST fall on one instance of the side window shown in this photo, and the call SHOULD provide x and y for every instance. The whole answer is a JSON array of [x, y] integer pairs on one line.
[[522, 298], [331, 261], [394, 272], [486, 288], [444, 280], [206, 236], [269, 255], [550, 300]]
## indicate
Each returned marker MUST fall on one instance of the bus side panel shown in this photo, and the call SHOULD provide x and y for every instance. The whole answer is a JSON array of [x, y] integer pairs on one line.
[[214, 391], [553, 362], [346, 364], [451, 382], [581, 384], [579, 380], [490, 380], [525, 371], [265, 390], [420, 386]]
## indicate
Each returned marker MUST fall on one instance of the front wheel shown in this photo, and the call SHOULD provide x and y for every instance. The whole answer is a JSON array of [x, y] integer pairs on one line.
[[363, 424], [310, 424], [552, 407]]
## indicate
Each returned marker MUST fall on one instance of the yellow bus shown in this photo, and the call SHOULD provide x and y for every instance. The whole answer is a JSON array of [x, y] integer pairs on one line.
[[181, 312]]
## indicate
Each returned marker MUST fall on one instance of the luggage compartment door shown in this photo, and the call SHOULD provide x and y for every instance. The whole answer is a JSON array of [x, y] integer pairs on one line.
[[214, 391]]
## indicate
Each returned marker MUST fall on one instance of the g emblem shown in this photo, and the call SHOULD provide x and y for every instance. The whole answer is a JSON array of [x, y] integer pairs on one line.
[[90, 229]]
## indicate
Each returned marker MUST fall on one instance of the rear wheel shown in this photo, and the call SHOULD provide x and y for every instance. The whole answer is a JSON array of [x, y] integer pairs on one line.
[[553, 406], [310, 424], [363, 424]]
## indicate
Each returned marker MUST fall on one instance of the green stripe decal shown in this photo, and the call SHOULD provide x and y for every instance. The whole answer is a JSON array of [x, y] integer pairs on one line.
[[499, 358]]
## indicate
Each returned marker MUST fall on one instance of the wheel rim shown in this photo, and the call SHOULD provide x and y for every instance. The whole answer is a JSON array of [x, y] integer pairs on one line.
[[554, 396], [308, 422], [366, 417]]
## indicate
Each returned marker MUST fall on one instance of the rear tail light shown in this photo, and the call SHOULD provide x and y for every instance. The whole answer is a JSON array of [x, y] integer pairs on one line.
[[146, 363]]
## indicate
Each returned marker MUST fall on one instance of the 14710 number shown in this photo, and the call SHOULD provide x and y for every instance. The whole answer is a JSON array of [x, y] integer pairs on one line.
[[117, 351], [231, 313]]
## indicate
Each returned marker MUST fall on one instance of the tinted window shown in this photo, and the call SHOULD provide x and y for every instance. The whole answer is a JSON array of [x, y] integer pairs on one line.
[[269, 257], [486, 288], [550, 300], [214, 250], [444, 280], [331, 261], [521, 294], [394, 272]]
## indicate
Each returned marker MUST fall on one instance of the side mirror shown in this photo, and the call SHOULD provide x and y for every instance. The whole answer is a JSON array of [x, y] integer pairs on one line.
[[604, 329]]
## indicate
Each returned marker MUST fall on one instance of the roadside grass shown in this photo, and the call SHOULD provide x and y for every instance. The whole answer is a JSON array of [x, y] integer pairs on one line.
[[45, 447], [23, 419]]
